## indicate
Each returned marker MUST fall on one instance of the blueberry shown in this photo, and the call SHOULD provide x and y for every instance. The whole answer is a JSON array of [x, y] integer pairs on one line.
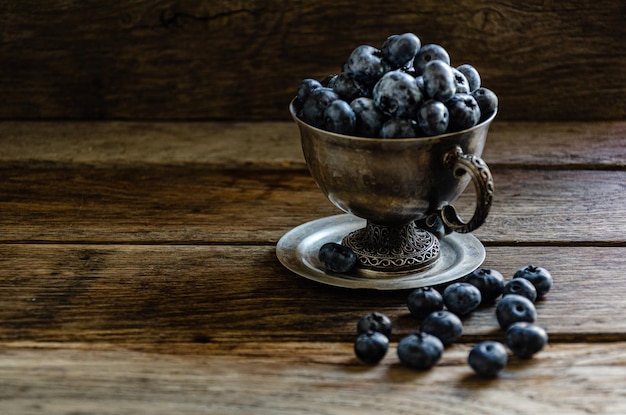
[[444, 324], [424, 300], [419, 80], [348, 88], [488, 358], [397, 95], [461, 82], [399, 128], [369, 119], [420, 350], [540, 277], [513, 308], [439, 81], [374, 321], [472, 75], [487, 102], [461, 298], [305, 87], [464, 112], [525, 339], [340, 118], [367, 64], [371, 346], [428, 53], [400, 50], [336, 257], [520, 286], [490, 282], [433, 117], [329, 81], [315, 105]]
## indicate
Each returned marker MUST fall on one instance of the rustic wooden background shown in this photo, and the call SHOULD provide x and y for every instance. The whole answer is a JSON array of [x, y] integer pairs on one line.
[[242, 60]]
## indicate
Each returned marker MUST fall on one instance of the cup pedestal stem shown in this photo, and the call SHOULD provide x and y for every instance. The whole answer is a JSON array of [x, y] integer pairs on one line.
[[394, 249]]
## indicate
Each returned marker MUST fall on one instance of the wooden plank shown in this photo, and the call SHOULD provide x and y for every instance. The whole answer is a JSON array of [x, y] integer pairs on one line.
[[227, 60], [183, 204], [290, 378], [153, 294], [277, 144]]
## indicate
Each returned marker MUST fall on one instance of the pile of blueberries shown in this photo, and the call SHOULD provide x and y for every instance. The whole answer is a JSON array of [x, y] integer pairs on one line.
[[441, 321], [401, 90]]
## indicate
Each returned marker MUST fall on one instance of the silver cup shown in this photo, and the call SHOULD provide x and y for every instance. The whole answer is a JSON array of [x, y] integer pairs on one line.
[[398, 185]]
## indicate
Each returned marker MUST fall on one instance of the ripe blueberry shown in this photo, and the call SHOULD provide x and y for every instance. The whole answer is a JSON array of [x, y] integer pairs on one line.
[[374, 321], [399, 128], [488, 358], [367, 64], [369, 119], [420, 350], [490, 282], [513, 308], [439, 81], [444, 324], [349, 88], [340, 118], [315, 105], [336, 257], [540, 277], [433, 117], [525, 339], [397, 95], [424, 300], [428, 53], [461, 298], [464, 112], [400, 50], [520, 286], [305, 87], [461, 82], [472, 75], [487, 101], [371, 346]]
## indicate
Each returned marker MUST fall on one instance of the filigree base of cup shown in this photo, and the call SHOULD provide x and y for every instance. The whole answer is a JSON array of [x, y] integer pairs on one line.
[[394, 249]]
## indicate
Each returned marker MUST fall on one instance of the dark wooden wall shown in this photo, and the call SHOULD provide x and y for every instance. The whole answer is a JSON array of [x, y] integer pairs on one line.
[[156, 59]]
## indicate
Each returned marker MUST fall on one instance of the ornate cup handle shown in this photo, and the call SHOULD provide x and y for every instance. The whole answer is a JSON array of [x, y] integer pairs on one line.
[[461, 163]]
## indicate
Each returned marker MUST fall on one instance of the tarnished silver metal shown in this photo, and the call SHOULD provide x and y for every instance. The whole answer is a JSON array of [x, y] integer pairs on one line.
[[394, 182]]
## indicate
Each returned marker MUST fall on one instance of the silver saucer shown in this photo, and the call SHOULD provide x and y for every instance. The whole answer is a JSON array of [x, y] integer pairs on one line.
[[461, 253]]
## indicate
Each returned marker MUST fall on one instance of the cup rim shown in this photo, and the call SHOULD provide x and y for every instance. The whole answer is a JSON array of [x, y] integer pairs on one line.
[[387, 140]]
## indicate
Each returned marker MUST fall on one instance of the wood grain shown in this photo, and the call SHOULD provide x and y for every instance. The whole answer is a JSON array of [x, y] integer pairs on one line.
[[172, 294], [289, 378], [148, 59], [242, 145]]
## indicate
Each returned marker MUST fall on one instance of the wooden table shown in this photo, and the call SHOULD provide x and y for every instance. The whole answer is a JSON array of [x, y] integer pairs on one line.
[[139, 276]]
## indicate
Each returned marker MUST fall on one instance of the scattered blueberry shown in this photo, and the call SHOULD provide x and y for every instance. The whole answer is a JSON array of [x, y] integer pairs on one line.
[[520, 286], [424, 300], [420, 350], [488, 358], [367, 64], [340, 118], [400, 50], [369, 119], [397, 95], [374, 321], [487, 101], [461, 298], [336, 257], [471, 74], [371, 346], [540, 277], [444, 324], [513, 308], [464, 111], [428, 53], [490, 282], [315, 104], [433, 117], [525, 339], [439, 81], [399, 128]]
